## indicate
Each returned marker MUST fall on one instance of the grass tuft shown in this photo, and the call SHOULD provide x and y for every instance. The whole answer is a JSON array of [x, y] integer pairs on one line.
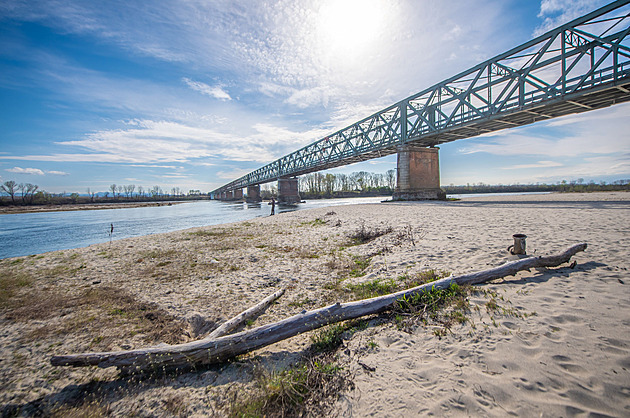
[[365, 234]]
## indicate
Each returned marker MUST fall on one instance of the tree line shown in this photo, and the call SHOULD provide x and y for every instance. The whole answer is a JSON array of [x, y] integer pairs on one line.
[[29, 194], [364, 183], [312, 186]]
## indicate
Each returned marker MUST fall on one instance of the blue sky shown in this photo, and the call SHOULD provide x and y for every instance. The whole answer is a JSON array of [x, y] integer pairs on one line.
[[193, 94]]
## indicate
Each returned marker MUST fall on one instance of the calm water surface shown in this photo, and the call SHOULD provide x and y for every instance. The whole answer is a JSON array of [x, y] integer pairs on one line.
[[34, 233], [24, 234]]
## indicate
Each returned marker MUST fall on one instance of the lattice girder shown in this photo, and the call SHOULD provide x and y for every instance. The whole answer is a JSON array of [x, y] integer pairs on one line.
[[582, 65]]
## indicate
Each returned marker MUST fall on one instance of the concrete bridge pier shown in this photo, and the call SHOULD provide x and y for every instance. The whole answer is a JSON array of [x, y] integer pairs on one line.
[[288, 192], [253, 194], [418, 174]]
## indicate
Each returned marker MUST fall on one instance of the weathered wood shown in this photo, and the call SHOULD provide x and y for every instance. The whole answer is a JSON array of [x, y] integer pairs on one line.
[[209, 351], [253, 312]]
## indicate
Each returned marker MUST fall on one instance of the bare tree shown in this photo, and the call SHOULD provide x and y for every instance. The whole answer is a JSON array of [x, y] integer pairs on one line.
[[10, 187], [129, 190], [390, 176], [140, 191], [113, 188], [91, 194], [28, 192], [329, 183]]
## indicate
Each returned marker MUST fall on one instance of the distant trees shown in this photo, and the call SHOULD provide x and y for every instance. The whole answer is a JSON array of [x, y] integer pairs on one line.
[[10, 187], [129, 190], [91, 194], [28, 192], [362, 182]]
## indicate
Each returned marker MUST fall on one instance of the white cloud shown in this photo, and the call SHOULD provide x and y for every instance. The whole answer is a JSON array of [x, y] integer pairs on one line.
[[57, 173], [592, 167], [151, 143], [539, 164], [29, 171], [558, 12], [598, 132], [213, 91], [232, 174]]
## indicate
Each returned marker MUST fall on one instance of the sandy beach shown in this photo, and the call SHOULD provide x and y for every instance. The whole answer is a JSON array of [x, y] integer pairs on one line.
[[549, 342]]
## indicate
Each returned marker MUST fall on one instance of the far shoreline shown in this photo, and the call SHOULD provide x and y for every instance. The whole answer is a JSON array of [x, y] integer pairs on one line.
[[7, 210]]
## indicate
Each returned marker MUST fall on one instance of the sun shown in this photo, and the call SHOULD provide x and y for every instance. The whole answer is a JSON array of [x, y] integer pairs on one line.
[[349, 27]]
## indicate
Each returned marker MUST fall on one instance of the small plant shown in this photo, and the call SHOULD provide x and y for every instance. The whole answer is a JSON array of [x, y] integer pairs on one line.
[[360, 264], [432, 306], [309, 388], [329, 338], [372, 288], [364, 234], [210, 234], [315, 222]]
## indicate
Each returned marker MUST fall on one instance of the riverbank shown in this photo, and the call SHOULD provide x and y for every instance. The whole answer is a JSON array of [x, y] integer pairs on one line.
[[556, 344], [82, 206]]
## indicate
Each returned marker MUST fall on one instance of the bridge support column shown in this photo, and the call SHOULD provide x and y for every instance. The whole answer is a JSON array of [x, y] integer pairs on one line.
[[223, 196], [418, 174], [288, 192], [237, 194], [253, 194]]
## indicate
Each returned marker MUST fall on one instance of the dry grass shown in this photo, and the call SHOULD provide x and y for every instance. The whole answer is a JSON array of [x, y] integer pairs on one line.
[[364, 234], [91, 311]]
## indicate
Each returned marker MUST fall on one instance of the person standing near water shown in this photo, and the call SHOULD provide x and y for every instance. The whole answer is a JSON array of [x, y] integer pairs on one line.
[[273, 206]]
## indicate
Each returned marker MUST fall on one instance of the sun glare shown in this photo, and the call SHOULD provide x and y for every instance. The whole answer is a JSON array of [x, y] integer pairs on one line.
[[348, 27]]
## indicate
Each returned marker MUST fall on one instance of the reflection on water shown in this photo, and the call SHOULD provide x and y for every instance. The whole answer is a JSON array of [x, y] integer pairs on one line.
[[33, 233]]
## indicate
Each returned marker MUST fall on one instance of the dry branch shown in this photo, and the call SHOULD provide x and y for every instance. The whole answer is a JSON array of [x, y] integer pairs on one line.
[[253, 312], [216, 350]]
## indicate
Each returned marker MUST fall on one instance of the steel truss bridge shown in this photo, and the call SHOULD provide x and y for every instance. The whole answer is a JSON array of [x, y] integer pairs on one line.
[[580, 66]]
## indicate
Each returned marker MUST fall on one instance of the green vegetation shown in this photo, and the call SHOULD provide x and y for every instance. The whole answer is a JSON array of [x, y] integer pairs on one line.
[[373, 288], [431, 307], [564, 186], [360, 264], [10, 283], [306, 389], [315, 222], [210, 234]]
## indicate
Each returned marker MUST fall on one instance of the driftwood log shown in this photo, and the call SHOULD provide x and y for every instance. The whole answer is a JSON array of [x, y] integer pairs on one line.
[[253, 312], [218, 349]]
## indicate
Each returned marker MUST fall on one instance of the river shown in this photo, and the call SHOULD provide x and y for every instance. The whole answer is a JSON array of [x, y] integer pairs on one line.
[[23, 234]]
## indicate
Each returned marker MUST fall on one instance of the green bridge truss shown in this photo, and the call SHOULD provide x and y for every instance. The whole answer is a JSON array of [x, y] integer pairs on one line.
[[580, 66]]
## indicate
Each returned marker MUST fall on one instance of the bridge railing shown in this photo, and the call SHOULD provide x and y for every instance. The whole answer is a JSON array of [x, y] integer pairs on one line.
[[578, 57]]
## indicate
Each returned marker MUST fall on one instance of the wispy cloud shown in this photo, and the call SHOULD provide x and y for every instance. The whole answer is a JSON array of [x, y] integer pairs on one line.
[[213, 91], [571, 136], [29, 171], [156, 143], [539, 164], [36, 171], [558, 12]]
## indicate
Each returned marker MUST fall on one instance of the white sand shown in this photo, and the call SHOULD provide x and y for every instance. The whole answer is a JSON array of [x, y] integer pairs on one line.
[[562, 350]]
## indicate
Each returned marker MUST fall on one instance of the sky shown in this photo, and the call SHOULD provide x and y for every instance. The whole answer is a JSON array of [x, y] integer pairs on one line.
[[196, 93]]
